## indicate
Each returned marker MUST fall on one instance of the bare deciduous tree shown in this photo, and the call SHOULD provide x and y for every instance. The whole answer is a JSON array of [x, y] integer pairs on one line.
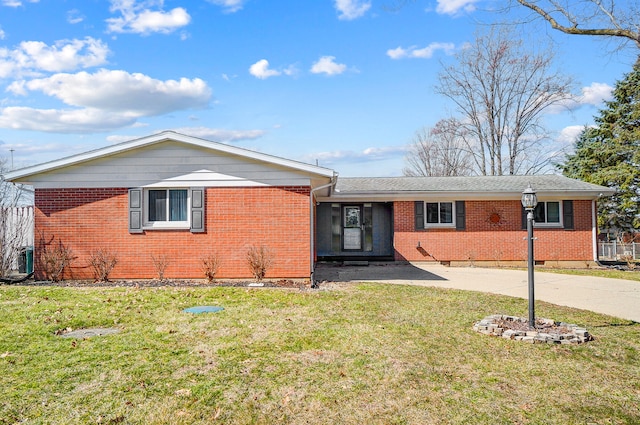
[[608, 18], [439, 151], [501, 91]]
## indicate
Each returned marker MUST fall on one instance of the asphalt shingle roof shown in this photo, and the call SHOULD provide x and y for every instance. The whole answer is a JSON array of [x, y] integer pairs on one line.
[[477, 184]]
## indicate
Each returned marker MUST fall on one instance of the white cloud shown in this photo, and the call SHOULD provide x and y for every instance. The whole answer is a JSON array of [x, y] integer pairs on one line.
[[291, 70], [122, 92], [114, 139], [423, 53], [16, 3], [229, 6], [351, 9], [221, 135], [2, 34], [87, 120], [596, 94], [261, 70], [104, 100], [569, 134], [327, 65], [453, 7], [140, 19], [31, 57], [215, 134], [74, 16], [368, 154], [397, 53]]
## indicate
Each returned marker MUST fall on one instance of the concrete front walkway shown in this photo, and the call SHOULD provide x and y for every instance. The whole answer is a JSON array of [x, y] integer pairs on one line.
[[615, 297]]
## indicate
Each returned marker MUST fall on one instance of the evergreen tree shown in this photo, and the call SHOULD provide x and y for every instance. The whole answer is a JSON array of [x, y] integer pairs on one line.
[[609, 155]]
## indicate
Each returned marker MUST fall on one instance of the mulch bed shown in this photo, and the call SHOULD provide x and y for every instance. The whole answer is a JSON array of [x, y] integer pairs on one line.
[[178, 283], [545, 326]]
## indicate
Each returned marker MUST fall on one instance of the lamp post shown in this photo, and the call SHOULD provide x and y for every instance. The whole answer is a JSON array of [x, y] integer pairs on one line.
[[529, 202]]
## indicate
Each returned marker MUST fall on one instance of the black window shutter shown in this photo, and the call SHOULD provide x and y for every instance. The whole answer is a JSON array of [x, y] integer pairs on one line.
[[419, 215], [197, 210], [135, 210], [567, 214], [524, 218], [460, 216]]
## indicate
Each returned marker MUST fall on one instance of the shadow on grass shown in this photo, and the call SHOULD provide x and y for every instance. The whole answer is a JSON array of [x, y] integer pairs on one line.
[[615, 325], [336, 272]]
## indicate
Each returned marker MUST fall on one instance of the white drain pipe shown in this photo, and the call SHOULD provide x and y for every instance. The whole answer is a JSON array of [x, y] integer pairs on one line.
[[312, 201]]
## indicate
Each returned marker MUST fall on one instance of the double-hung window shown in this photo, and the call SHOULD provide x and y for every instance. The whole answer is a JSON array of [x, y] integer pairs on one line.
[[168, 204], [548, 213], [439, 214], [167, 208]]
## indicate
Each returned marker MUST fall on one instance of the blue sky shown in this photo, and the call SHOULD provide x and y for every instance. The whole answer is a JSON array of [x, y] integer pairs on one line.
[[344, 83]]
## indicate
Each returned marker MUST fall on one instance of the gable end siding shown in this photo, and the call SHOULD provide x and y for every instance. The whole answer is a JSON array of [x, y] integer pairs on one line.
[[157, 165]]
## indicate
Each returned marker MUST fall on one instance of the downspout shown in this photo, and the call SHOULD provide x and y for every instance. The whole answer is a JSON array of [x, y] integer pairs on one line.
[[312, 223], [594, 233]]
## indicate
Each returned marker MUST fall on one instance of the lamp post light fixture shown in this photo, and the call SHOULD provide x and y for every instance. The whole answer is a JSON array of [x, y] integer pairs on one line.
[[529, 202]]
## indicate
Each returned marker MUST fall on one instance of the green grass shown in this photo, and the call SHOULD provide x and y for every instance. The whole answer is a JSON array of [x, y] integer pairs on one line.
[[610, 273], [361, 354]]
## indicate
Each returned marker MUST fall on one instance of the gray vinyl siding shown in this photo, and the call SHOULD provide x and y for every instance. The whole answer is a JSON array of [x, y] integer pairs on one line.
[[170, 164]]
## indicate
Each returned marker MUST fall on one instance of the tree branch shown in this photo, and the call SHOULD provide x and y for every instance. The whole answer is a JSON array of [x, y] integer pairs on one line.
[[611, 32]]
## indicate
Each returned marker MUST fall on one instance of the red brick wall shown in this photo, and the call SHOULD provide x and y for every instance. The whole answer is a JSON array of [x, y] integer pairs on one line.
[[484, 240], [236, 218]]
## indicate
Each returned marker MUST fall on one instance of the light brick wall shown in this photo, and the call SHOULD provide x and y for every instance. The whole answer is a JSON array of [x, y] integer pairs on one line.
[[484, 240], [236, 218]]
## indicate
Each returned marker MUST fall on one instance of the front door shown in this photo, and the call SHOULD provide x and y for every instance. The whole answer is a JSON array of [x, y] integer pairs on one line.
[[352, 228]]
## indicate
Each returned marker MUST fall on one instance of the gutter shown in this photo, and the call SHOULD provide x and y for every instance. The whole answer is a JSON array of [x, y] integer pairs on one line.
[[312, 200], [594, 233]]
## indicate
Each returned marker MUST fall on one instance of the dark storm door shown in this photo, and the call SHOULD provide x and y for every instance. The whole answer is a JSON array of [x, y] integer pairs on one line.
[[352, 228]]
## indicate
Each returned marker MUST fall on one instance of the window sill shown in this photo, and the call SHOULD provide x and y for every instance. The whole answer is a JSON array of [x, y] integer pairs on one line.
[[166, 226], [547, 226]]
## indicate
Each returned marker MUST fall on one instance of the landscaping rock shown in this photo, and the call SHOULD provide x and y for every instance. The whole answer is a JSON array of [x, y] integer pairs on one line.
[[546, 330]]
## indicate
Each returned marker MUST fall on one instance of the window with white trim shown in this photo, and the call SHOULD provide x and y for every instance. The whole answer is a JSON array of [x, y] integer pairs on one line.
[[439, 214], [548, 213], [166, 208]]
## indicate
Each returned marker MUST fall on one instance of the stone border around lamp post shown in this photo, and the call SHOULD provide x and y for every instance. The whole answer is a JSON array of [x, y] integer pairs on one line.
[[548, 331]]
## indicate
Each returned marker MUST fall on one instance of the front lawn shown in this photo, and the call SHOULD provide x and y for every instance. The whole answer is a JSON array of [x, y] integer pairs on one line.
[[600, 272], [354, 354]]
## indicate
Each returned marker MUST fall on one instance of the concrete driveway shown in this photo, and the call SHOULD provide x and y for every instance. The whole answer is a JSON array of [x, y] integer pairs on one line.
[[615, 297]]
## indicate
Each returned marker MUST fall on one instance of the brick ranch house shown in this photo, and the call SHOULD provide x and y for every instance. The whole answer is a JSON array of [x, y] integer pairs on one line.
[[184, 198]]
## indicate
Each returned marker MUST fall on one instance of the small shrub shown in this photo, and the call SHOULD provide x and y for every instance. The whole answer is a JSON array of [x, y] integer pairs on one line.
[[471, 256], [160, 264], [103, 262], [259, 260], [55, 260], [210, 265], [497, 256], [631, 263]]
